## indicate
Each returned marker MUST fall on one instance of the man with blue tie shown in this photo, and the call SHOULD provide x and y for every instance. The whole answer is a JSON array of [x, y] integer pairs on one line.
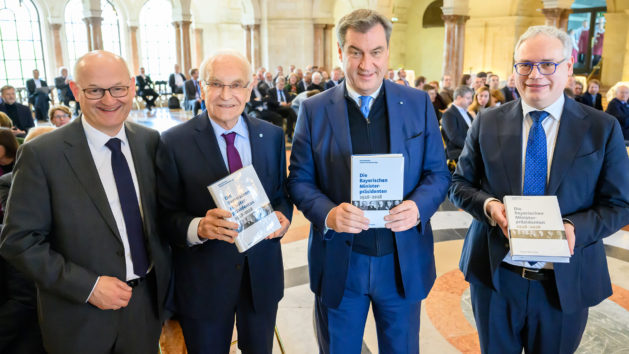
[[192, 92], [214, 283], [542, 144], [280, 101], [351, 266]]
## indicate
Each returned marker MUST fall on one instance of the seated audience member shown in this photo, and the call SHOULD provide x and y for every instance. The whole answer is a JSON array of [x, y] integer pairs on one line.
[[494, 82], [6, 122], [300, 74], [401, 75], [592, 98], [20, 114], [420, 81], [279, 101], [300, 98], [337, 78], [483, 76], [291, 85], [8, 150], [456, 121], [192, 93], [619, 108], [306, 83], [466, 80], [480, 101], [432, 93], [62, 83], [38, 92], [478, 82], [391, 75], [176, 80], [325, 77], [258, 106], [440, 104], [446, 93], [317, 82], [145, 89], [267, 84], [578, 88], [510, 92], [59, 115], [497, 98], [279, 71]]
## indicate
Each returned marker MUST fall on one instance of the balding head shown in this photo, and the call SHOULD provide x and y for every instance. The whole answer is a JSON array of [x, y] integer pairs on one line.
[[87, 63]]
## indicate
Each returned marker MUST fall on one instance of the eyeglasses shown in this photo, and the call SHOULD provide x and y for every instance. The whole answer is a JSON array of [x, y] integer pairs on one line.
[[544, 67], [217, 85], [96, 93], [64, 115]]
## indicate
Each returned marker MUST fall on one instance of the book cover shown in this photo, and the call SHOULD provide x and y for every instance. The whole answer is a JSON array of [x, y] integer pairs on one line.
[[377, 185], [242, 194], [536, 231]]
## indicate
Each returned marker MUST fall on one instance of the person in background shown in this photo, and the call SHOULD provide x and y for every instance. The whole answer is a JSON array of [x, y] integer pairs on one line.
[[59, 115], [456, 121], [510, 92], [176, 80], [466, 80], [38, 95], [401, 74], [578, 89], [447, 89], [432, 93], [8, 150], [6, 122], [592, 97], [62, 83], [494, 82], [480, 102], [291, 85], [497, 98], [619, 108], [20, 114]]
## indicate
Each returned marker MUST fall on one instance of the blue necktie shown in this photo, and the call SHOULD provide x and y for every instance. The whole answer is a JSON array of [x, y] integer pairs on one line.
[[130, 207], [536, 165], [364, 105], [282, 99]]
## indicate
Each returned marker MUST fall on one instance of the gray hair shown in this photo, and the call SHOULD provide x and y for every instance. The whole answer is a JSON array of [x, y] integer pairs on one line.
[[5, 88], [206, 66], [548, 31], [461, 91], [362, 20]]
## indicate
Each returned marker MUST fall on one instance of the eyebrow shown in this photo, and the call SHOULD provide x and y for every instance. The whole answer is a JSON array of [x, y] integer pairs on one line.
[[532, 61]]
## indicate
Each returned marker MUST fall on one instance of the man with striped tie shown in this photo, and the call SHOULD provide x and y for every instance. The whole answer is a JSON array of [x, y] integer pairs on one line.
[[541, 144]]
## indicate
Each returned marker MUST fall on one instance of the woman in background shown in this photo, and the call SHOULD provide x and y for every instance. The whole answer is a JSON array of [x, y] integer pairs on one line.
[[480, 102]]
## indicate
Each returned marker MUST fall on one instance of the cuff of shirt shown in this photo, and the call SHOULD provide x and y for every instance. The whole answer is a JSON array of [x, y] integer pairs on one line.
[[193, 235], [567, 221], [491, 221], [94, 287]]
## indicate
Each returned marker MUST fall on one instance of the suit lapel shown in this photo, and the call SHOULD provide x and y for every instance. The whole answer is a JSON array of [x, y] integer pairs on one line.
[[141, 162], [396, 113], [80, 159], [257, 154], [206, 140], [509, 134], [339, 121], [572, 128]]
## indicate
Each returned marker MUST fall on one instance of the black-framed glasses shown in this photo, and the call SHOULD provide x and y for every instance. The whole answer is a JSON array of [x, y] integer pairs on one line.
[[96, 93], [544, 67], [217, 85]]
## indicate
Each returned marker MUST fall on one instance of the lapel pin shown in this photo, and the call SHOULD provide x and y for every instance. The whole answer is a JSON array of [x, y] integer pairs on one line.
[[401, 102], [261, 135]]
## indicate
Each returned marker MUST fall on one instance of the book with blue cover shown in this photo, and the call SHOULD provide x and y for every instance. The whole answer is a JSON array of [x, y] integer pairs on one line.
[[377, 185]]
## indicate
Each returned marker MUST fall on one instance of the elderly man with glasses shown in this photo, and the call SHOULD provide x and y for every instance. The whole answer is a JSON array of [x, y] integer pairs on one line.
[[541, 144]]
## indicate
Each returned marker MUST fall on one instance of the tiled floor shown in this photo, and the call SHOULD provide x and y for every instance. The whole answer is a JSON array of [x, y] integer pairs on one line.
[[447, 324]]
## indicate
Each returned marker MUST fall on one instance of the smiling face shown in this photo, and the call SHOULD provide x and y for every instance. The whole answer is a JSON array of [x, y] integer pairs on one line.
[[365, 58], [537, 90], [103, 70]]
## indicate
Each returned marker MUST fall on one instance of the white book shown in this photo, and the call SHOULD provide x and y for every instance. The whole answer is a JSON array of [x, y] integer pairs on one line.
[[536, 231], [377, 185], [242, 194]]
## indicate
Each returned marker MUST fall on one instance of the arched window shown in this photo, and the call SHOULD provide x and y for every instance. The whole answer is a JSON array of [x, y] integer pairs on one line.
[[432, 15], [111, 28], [157, 38], [21, 45]]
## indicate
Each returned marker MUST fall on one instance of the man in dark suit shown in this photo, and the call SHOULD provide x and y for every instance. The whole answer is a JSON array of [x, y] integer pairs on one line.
[[213, 281], [38, 92], [258, 106], [280, 102], [456, 121], [82, 221], [62, 83], [337, 78], [591, 97], [20, 114], [352, 266], [305, 83], [192, 92], [510, 91], [267, 84], [145, 89], [176, 80], [619, 108], [521, 148]]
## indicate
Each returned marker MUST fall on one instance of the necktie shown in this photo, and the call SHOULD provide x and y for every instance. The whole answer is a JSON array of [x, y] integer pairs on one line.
[[233, 158], [282, 98], [364, 105], [196, 83], [130, 207], [536, 165]]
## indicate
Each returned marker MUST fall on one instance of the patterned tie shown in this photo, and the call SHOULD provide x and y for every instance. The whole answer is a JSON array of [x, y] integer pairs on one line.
[[536, 165], [364, 105], [233, 158], [130, 207]]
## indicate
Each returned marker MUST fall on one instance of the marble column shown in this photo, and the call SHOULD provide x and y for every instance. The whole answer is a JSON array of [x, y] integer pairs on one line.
[[557, 17], [94, 32], [56, 36], [257, 57], [198, 46], [186, 53], [248, 34], [328, 48], [319, 43], [88, 31], [178, 43], [135, 56], [454, 45]]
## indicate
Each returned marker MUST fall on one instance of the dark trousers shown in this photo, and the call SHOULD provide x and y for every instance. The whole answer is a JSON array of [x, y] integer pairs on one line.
[[525, 315], [213, 335], [290, 116], [370, 280], [149, 96]]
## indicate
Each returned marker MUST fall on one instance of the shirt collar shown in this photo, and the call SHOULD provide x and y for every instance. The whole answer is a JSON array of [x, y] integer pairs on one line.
[[461, 110], [554, 109], [98, 139], [240, 128], [355, 95]]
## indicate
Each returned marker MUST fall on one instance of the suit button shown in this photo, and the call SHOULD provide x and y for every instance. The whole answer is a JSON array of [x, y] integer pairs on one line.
[[238, 266]]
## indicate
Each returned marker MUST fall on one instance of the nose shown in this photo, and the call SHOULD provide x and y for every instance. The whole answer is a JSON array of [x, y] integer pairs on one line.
[[535, 74], [107, 98], [225, 93]]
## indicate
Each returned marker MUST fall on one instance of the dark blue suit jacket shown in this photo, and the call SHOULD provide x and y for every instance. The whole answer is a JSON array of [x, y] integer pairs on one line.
[[621, 111], [586, 99], [24, 120], [206, 275], [454, 129], [589, 175], [330, 84], [320, 180]]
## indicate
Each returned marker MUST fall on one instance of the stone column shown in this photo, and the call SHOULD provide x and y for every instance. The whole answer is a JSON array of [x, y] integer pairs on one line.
[[178, 43], [186, 54], [328, 48], [88, 30], [257, 57], [248, 34], [135, 56], [94, 33], [198, 45], [56, 36], [557, 17], [454, 45], [319, 43]]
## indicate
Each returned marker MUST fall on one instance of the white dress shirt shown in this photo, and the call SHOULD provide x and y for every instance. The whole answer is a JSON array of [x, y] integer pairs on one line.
[[241, 143], [355, 96], [178, 80]]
